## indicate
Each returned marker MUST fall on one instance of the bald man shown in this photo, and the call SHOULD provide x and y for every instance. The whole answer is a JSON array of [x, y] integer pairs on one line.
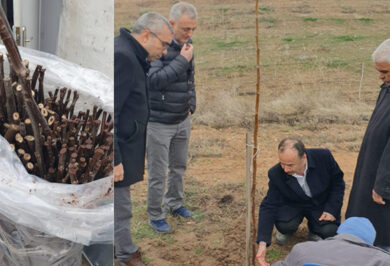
[[306, 183]]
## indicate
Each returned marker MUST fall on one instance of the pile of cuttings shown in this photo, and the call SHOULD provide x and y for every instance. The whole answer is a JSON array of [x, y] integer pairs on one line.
[[71, 147]]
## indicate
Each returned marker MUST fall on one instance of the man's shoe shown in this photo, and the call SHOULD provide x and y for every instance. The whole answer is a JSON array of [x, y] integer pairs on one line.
[[160, 226], [183, 212], [135, 260], [313, 237], [282, 239]]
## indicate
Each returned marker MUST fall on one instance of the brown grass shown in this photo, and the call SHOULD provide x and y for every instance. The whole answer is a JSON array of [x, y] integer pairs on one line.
[[312, 107], [223, 109], [311, 58], [307, 52]]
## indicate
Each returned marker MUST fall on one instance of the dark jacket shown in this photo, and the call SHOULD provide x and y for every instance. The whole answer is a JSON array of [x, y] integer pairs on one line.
[[171, 87], [131, 110], [373, 171], [342, 250], [285, 198]]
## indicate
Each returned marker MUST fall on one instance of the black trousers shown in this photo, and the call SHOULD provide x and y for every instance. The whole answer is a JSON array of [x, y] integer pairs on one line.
[[322, 228]]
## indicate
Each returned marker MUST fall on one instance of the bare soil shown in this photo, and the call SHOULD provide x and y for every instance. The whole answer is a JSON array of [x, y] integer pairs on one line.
[[216, 236], [308, 48]]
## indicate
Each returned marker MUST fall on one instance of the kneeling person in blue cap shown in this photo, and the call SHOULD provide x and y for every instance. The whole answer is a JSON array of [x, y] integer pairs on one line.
[[353, 245]]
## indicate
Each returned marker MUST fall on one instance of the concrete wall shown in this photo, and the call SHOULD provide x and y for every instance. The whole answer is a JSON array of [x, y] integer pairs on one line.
[[86, 34]]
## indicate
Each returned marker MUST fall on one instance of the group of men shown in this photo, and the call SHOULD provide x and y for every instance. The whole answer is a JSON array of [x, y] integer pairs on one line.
[[154, 98], [308, 183]]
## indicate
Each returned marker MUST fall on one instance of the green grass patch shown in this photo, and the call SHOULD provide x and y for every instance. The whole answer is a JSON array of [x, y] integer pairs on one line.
[[198, 216], [348, 10], [145, 259], [366, 20], [348, 38], [336, 63], [216, 243], [291, 39], [235, 68], [309, 19], [265, 9], [224, 10], [140, 227], [338, 20], [199, 251], [142, 230], [222, 44], [190, 192], [269, 20], [168, 238], [275, 254]]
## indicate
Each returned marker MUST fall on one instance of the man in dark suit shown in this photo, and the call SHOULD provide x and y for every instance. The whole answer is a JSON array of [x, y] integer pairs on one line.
[[305, 183], [133, 51]]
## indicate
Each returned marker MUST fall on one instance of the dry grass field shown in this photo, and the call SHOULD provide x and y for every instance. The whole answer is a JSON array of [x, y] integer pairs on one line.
[[315, 55]]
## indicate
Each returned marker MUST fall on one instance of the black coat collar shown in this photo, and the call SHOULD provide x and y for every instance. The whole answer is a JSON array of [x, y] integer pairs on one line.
[[310, 160], [384, 86], [139, 50]]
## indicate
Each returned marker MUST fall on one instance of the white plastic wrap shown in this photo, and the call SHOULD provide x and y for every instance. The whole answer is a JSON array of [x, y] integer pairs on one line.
[[61, 73], [22, 246], [80, 213]]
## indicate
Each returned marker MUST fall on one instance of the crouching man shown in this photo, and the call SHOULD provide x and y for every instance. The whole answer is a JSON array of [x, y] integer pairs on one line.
[[306, 183]]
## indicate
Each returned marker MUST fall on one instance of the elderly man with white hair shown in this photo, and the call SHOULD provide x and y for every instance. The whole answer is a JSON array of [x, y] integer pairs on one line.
[[370, 194]]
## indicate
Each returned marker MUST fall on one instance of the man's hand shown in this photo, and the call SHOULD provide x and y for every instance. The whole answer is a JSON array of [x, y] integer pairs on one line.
[[377, 198], [118, 172], [187, 51], [262, 251], [326, 216]]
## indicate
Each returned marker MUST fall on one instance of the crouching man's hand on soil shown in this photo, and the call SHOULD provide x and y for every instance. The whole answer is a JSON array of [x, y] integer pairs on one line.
[[118, 172], [261, 254]]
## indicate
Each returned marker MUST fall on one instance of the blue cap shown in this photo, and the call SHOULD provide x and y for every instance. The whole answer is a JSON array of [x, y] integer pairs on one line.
[[360, 227]]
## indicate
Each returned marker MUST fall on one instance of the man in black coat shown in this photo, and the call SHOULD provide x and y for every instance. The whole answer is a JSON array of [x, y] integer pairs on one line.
[[172, 101], [133, 51], [305, 183], [370, 194]]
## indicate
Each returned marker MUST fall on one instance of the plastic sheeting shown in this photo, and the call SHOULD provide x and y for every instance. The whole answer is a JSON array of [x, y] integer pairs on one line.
[[61, 73], [24, 246], [80, 213]]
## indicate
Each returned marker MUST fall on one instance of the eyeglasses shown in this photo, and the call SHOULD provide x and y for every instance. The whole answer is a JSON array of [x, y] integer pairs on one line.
[[165, 45]]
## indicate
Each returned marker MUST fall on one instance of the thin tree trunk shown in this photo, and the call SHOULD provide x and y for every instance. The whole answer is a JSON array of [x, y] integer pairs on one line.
[[255, 130]]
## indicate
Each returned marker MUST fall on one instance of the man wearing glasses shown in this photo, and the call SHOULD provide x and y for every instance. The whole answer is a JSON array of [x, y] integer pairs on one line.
[[132, 53], [172, 101]]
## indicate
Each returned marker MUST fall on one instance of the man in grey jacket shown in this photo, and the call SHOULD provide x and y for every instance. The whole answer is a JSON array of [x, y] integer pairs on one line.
[[352, 246], [172, 101]]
